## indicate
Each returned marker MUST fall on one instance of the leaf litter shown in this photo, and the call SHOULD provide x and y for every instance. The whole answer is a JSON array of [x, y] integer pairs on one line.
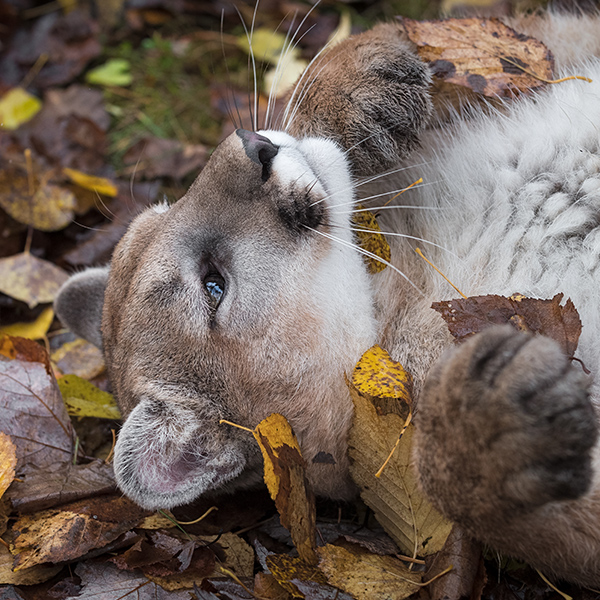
[[59, 487]]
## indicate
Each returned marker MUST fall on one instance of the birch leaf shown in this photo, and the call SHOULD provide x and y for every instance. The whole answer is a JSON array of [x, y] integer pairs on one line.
[[366, 576], [395, 498]]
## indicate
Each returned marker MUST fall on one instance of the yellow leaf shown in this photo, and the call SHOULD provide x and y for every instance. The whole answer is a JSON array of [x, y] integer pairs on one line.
[[89, 182], [267, 45], [83, 399], [17, 107], [30, 279], [278, 80], [376, 374], [79, 358], [366, 576], [8, 462], [50, 208], [31, 576], [342, 31], [364, 223], [35, 330], [294, 500], [286, 568], [395, 497]]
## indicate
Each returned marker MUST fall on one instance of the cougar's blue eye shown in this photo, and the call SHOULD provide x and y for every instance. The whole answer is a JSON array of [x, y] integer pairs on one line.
[[214, 284]]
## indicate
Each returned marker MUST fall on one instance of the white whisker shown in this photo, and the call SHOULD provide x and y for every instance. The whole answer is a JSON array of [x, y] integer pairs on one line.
[[404, 235], [365, 253]]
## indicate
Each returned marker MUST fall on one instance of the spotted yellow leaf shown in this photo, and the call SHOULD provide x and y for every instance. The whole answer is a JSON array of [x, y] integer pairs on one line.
[[376, 374], [84, 399], [370, 239]]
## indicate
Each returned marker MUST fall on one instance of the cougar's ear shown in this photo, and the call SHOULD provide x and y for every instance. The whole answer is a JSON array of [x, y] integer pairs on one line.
[[79, 303]]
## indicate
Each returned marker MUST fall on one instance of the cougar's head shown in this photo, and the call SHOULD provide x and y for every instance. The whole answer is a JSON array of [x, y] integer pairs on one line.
[[233, 303]]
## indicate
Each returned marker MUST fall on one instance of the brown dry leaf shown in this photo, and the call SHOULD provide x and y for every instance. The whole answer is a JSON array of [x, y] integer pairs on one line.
[[37, 574], [8, 462], [395, 497], [49, 208], [102, 580], [467, 316], [267, 587], [70, 532], [287, 568], [482, 54], [286, 480], [376, 375], [38, 423], [366, 576], [79, 358], [467, 577], [157, 521], [374, 243], [155, 157], [43, 488], [30, 279], [24, 349]]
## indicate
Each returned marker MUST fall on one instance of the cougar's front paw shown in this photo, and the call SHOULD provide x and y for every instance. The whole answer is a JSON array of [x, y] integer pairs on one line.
[[370, 94], [504, 426]]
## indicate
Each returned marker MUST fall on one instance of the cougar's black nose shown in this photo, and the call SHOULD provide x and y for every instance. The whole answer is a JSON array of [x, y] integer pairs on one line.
[[258, 149]]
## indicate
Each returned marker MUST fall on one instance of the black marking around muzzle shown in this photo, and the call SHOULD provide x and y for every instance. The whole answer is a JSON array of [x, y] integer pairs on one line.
[[259, 149]]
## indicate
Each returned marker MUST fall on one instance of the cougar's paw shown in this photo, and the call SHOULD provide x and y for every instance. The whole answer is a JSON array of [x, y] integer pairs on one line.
[[370, 94], [505, 425]]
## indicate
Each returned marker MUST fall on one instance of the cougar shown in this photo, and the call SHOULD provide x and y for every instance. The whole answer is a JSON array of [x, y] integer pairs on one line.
[[249, 296]]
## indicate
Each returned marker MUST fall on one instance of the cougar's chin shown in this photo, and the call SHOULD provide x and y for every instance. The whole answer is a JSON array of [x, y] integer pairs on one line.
[[169, 455]]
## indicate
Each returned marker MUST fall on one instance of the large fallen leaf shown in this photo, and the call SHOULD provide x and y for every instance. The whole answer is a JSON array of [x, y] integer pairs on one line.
[[371, 240], [60, 483], [84, 399], [366, 576], [34, 414], [8, 462], [395, 498], [30, 279], [467, 316], [49, 208], [287, 483], [70, 532], [482, 54], [35, 330], [16, 107]]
